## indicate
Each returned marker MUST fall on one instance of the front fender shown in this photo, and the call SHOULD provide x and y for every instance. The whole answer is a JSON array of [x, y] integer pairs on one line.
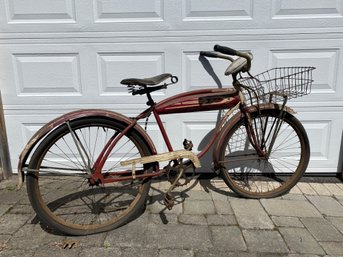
[[47, 128], [234, 120]]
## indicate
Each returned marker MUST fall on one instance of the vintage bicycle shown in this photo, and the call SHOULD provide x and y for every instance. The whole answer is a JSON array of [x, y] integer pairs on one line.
[[90, 171]]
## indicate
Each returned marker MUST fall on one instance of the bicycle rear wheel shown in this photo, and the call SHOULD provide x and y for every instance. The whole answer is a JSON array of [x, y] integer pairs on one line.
[[252, 176], [58, 185]]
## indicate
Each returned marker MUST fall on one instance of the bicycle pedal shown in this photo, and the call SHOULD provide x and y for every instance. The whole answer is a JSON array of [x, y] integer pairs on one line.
[[169, 201]]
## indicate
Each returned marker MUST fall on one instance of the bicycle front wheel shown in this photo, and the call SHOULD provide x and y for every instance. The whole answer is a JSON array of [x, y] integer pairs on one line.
[[58, 172], [285, 141]]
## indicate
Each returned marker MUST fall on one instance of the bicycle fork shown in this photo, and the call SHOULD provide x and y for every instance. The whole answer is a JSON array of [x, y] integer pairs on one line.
[[259, 139]]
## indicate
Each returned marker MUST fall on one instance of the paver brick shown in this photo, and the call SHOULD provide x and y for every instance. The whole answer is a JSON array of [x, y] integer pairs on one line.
[[136, 251], [22, 209], [97, 251], [337, 222], [221, 220], [178, 236], [228, 238], [132, 234], [222, 207], [163, 218], [10, 223], [198, 207], [320, 189], [32, 236], [16, 253], [302, 255], [265, 241], [340, 185], [12, 197], [295, 190], [5, 208], [250, 214], [196, 195], [334, 189], [290, 208], [287, 221], [156, 204], [174, 253], [298, 197], [327, 205], [192, 219], [306, 188], [322, 229], [334, 248], [96, 240], [215, 253], [219, 196], [300, 240]]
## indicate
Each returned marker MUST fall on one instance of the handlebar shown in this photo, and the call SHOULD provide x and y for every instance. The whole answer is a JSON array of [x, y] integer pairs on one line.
[[216, 55], [224, 52], [230, 51]]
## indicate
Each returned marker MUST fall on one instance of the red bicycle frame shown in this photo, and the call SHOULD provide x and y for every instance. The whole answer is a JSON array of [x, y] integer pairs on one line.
[[193, 101]]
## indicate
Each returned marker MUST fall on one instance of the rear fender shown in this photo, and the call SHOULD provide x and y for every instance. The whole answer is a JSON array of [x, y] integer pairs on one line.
[[234, 120], [47, 128]]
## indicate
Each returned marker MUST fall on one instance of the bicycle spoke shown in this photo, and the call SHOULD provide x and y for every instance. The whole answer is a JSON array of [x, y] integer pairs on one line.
[[78, 159]]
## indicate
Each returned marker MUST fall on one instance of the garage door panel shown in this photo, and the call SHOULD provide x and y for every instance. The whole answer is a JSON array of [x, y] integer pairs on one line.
[[319, 130], [40, 11], [79, 73], [87, 15], [47, 74], [128, 10], [20, 128], [38, 15], [201, 73], [42, 73], [283, 9], [113, 67], [324, 129], [202, 10], [326, 76], [157, 15], [308, 13]]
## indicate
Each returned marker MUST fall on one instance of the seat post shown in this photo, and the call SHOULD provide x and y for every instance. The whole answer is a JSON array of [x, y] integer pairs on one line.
[[150, 100]]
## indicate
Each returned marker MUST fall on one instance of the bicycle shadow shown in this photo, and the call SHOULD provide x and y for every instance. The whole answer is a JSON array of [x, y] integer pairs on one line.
[[88, 204], [182, 193], [209, 69]]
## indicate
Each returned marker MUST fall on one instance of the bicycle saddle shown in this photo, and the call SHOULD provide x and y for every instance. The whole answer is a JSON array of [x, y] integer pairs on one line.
[[146, 81]]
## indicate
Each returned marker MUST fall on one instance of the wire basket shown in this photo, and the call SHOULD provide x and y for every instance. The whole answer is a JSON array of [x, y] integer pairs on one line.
[[276, 84]]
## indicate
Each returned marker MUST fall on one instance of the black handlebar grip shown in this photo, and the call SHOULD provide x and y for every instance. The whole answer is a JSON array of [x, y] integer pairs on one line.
[[225, 50], [209, 54]]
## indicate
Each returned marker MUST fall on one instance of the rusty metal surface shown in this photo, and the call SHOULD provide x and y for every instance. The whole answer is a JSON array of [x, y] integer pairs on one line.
[[199, 100]]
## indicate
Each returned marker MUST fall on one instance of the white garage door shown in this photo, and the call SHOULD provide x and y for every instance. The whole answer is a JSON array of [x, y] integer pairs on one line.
[[61, 55]]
